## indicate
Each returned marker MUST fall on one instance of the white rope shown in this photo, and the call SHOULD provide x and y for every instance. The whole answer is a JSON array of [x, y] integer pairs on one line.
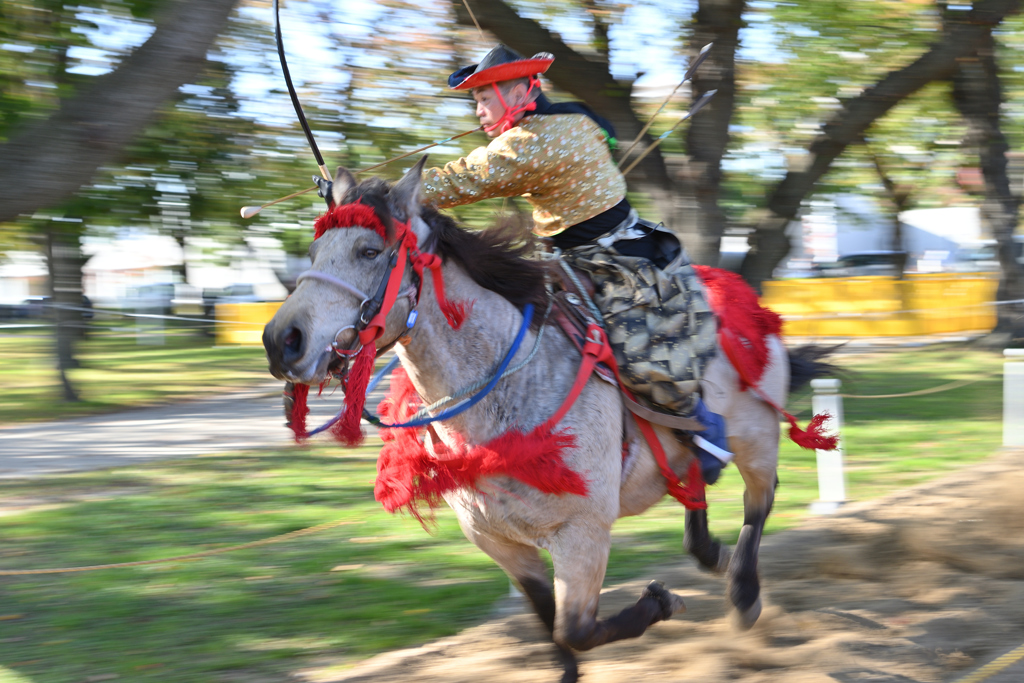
[[873, 314]]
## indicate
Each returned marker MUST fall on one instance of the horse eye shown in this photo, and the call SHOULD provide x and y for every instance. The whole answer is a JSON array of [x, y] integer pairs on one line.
[[370, 253]]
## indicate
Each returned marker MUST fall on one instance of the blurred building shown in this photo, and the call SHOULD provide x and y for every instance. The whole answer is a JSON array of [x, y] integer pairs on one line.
[[122, 269], [23, 275], [839, 226]]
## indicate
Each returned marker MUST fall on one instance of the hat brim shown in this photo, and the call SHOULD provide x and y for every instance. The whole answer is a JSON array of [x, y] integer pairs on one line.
[[505, 72]]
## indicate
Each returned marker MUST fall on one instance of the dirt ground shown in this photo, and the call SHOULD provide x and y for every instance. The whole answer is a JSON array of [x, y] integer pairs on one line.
[[919, 587]]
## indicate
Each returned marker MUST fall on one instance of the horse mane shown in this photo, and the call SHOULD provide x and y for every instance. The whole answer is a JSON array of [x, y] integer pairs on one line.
[[497, 258]]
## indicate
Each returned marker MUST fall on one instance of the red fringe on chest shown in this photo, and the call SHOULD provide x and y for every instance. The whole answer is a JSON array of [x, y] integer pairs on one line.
[[408, 475]]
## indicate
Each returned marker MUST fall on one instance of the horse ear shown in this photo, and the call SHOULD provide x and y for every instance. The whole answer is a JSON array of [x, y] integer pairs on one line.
[[343, 182], [404, 198]]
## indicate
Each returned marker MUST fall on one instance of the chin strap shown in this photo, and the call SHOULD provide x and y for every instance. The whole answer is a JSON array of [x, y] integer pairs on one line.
[[505, 123]]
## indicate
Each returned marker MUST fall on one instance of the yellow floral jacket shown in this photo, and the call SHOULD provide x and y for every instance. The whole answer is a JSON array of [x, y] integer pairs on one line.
[[560, 163]]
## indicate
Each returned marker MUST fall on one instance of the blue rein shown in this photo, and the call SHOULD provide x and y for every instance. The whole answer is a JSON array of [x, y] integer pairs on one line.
[[454, 410]]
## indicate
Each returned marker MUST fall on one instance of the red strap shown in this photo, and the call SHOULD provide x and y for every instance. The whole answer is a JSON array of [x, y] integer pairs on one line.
[[596, 350], [375, 329], [507, 120]]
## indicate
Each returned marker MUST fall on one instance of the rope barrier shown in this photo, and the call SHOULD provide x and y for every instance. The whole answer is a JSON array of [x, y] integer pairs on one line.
[[875, 314], [180, 558], [153, 316], [934, 390]]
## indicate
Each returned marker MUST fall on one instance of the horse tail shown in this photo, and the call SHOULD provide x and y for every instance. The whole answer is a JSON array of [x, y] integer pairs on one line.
[[810, 361]]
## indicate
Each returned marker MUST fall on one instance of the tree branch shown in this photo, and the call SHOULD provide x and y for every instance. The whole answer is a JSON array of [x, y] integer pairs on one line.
[[769, 245], [45, 162]]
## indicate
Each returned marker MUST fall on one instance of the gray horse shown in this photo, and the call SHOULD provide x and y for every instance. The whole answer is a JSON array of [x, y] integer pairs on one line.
[[509, 520]]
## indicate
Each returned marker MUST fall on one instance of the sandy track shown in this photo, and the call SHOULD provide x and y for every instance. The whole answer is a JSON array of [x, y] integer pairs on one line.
[[922, 586]]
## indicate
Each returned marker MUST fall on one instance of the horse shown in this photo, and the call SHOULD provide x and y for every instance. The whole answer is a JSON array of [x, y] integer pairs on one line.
[[505, 518]]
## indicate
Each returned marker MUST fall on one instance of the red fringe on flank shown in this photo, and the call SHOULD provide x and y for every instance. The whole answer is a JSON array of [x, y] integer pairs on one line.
[[408, 475], [743, 325], [347, 429]]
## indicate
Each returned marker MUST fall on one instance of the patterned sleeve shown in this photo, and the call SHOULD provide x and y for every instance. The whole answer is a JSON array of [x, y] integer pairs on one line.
[[511, 165]]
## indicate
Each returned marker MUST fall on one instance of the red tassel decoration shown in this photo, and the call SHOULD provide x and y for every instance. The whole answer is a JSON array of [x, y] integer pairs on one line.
[[813, 437], [299, 411], [454, 312], [347, 430]]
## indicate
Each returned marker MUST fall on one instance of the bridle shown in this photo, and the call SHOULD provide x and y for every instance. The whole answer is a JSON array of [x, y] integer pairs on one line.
[[374, 309], [369, 306]]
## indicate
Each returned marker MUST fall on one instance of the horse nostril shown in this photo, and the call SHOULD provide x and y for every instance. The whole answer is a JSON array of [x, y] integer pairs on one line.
[[293, 341]]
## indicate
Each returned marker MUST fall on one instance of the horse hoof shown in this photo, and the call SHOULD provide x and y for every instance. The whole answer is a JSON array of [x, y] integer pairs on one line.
[[670, 602], [570, 667], [747, 618]]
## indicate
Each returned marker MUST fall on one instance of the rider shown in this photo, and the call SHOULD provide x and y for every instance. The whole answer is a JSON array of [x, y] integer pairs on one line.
[[557, 156]]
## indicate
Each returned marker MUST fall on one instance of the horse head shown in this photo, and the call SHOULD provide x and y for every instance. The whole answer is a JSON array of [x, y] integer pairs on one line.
[[355, 255]]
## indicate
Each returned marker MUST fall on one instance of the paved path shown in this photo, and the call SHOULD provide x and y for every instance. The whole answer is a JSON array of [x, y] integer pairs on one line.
[[238, 421]]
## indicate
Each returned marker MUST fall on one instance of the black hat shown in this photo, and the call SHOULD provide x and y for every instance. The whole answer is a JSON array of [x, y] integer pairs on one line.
[[500, 64]]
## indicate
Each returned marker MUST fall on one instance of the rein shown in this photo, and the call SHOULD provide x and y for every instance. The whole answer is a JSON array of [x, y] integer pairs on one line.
[[422, 417]]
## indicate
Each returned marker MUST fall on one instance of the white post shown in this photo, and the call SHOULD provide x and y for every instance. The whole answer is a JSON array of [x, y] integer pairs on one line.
[[1013, 397], [831, 478]]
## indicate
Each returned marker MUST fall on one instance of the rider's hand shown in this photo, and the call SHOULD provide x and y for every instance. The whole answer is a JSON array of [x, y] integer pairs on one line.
[[325, 190]]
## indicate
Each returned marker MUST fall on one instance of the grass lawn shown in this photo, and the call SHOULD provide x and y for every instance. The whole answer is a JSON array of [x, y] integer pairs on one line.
[[379, 581], [117, 372]]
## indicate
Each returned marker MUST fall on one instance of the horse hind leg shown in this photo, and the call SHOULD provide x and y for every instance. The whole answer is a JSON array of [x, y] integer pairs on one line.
[[580, 561], [744, 584], [698, 541]]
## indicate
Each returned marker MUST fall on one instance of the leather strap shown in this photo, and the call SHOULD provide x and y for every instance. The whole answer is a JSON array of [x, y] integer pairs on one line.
[[663, 419]]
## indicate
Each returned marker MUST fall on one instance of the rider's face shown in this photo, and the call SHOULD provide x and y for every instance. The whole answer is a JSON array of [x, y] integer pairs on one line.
[[489, 108]]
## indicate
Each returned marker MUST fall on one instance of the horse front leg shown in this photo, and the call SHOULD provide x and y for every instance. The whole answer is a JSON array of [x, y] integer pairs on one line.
[[580, 558], [524, 565]]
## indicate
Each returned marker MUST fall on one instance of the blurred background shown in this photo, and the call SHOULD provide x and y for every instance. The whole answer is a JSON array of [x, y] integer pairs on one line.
[[847, 139], [861, 166]]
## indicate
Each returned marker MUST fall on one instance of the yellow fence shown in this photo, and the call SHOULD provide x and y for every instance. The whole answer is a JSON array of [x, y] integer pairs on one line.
[[884, 306], [825, 307], [243, 323]]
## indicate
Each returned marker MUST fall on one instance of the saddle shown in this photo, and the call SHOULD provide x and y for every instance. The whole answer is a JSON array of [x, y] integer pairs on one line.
[[574, 311]]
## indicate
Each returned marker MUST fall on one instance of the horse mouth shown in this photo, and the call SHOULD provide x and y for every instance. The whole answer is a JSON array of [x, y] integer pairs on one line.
[[337, 367]]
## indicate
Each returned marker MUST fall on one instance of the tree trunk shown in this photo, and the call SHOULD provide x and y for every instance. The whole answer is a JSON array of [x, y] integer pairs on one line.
[[977, 95], [769, 245], [44, 163], [64, 260], [718, 22]]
